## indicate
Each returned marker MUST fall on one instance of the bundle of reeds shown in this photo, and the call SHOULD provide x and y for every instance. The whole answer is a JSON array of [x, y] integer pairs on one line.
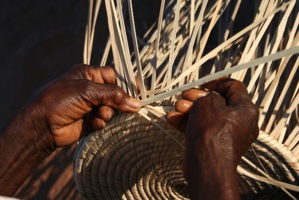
[[193, 42]]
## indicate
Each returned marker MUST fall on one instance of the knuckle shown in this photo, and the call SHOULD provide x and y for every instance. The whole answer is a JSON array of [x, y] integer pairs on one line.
[[207, 100], [90, 93], [108, 74], [79, 67], [78, 71], [109, 70], [200, 101], [252, 110], [118, 94], [215, 99], [239, 83]]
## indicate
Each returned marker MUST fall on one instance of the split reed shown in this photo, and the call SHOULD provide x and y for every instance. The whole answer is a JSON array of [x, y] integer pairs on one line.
[[196, 41]]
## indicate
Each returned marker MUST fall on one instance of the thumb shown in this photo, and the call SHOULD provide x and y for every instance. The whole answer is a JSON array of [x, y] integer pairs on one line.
[[111, 95]]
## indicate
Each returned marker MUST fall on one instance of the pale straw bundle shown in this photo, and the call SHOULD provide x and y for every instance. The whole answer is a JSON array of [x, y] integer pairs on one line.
[[138, 156]]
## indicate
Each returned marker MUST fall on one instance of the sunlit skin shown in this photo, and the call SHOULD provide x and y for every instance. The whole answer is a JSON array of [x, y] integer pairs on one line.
[[219, 127], [84, 90], [58, 115], [220, 124]]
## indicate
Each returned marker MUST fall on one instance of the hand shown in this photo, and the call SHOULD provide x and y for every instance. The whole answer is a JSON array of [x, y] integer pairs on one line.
[[57, 116], [63, 104], [220, 125], [228, 114]]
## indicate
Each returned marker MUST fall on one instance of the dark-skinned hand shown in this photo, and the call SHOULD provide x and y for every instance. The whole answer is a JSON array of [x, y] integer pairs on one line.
[[58, 115], [65, 102], [220, 124]]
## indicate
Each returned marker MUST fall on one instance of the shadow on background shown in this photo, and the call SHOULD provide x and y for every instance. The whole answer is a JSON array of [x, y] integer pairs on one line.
[[39, 41]]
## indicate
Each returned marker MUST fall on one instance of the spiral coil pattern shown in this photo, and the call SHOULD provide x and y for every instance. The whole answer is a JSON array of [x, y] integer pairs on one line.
[[133, 159]]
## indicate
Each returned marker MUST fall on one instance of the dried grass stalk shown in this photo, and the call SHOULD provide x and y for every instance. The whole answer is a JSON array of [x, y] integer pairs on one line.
[[173, 57]]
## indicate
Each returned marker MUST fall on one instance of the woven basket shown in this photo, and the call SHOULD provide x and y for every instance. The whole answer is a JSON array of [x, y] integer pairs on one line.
[[133, 159], [130, 159]]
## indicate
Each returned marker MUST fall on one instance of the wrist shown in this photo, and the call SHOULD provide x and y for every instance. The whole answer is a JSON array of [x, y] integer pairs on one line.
[[36, 129], [24, 143], [217, 142], [211, 168]]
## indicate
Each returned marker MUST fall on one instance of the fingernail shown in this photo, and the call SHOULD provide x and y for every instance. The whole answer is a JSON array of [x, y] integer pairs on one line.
[[134, 103], [203, 94]]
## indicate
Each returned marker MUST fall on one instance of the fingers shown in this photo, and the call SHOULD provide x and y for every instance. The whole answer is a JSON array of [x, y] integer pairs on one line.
[[111, 95], [194, 94], [183, 106], [189, 96], [114, 96], [105, 113], [98, 93], [98, 123], [97, 118], [177, 120], [179, 117], [234, 91], [107, 73], [92, 73], [208, 104]]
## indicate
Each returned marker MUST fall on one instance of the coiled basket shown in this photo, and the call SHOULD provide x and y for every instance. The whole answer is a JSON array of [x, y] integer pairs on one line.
[[131, 158]]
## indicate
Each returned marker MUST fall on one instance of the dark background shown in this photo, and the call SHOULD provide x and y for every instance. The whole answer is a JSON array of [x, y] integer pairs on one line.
[[39, 41]]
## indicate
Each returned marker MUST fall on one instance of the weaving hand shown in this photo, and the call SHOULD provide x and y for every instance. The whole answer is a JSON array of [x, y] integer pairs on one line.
[[56, 117], [219, 129], [84, 90]]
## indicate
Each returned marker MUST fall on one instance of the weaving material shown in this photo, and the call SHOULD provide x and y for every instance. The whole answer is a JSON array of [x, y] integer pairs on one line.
[[139, 156], [133, 159]]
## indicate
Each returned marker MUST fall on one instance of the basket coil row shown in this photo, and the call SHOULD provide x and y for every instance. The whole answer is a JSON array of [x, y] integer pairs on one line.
[[133, 159]]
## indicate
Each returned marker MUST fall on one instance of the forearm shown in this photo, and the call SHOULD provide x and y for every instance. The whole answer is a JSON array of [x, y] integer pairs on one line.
[[212, 171], [22, 147]]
